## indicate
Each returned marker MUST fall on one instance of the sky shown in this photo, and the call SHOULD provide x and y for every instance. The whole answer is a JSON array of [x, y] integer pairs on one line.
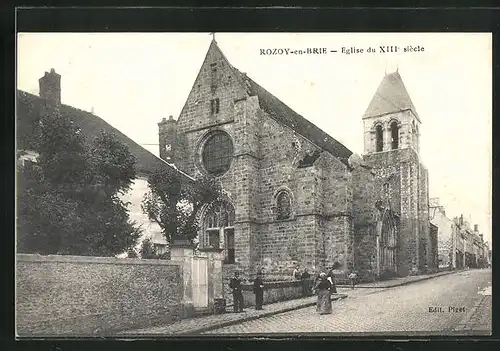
[[133, 80]]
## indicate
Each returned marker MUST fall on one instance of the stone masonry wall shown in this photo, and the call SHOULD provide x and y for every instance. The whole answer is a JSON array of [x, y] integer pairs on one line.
[[318, 192], [94, 296], [404, 166], [289, 241], [364, 218]]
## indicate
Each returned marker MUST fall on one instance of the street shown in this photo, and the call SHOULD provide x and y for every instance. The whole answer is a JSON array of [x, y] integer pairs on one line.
[[451, 304]]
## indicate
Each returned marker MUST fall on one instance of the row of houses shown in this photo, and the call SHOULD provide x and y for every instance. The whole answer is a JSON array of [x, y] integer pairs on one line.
[[459, 245]]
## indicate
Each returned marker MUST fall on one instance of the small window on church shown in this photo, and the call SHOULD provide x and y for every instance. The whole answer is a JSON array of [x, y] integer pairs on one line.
[[394, 135], [213, 67], [283, 205], [214, 106], [379, 136]]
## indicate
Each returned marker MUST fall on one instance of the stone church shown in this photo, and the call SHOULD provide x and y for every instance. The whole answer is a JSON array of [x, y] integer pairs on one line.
[[295, 195]]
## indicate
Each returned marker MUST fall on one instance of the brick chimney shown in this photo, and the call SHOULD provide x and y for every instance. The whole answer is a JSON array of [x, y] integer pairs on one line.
[[475, 228], [50, 87]]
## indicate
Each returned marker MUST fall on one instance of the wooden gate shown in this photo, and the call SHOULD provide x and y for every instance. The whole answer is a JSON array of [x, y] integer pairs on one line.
[[200, 282]]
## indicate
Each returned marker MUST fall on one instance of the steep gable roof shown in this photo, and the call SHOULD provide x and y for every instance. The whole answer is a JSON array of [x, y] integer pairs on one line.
[[28, 114], [288, 117], [391, 96]]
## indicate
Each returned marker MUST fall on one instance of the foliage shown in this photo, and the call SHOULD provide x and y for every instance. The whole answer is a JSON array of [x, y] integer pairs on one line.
[[174, 202], [147, 249], [69, 202], [132, 253]]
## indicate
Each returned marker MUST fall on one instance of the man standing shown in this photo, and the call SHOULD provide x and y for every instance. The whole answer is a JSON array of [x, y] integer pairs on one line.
[[305, 283], [258, 290], [353, 277], [235, 285]]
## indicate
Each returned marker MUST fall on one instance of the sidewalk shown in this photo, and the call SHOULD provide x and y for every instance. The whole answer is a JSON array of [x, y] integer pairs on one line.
[[478, 319], [202, 324], [399, 281], [205, 323]]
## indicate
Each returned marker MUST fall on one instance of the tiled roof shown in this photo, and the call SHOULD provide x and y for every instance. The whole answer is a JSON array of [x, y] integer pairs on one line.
[[391, 96], [28, 115], [285, 115]]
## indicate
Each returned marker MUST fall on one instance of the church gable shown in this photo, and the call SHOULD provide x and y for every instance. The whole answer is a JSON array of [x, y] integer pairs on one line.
[[219, 86], [213, 95]]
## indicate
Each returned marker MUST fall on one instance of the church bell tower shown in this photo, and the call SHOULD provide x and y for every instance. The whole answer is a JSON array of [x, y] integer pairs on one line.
[[391, 121], [391, 146]]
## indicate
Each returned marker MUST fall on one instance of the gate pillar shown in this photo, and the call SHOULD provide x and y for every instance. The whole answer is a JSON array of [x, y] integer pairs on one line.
[[215, 276], [183, 251]]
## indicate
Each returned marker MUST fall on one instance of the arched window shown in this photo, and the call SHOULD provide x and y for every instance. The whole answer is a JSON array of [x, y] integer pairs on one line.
[[379, 136], [218, 223], [283, 205], [394, 135], [217, 153]]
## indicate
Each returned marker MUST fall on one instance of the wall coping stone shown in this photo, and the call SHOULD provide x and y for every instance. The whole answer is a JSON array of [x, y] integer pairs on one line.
[[94, 259], [274, 284], [210, 249]]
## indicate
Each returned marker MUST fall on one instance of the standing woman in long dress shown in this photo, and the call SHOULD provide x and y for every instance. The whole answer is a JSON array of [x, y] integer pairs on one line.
[[322, 289]]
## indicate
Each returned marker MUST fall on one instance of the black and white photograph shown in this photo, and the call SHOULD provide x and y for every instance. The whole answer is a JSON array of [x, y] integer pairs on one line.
[[221, 184]]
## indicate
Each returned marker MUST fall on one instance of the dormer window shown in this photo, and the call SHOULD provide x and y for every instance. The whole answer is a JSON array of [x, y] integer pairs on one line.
[[213, 67]]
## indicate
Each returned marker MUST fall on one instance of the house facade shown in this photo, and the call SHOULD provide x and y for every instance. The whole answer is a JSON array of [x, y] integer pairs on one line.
[[31, 108]]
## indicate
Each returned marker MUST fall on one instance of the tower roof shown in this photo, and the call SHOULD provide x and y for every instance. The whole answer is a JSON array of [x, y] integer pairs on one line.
[[391, 96]]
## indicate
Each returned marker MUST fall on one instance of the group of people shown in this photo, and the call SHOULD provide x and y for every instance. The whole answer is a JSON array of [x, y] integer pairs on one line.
[[258, 290], [324, 286], [305, 278]]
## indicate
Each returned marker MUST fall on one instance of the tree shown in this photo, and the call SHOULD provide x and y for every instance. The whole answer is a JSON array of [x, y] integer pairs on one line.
[[147, 249], [69, 202], [174, 202]]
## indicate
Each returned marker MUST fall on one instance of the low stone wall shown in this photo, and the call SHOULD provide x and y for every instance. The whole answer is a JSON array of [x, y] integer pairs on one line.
[[94, 296], [274, 292]]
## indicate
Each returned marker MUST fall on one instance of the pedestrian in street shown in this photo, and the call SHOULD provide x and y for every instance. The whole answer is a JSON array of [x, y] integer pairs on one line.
[[322, 289], [235, 285], [353, 276], [258, 290], [306, 283], [331, 278], [296, 273]]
